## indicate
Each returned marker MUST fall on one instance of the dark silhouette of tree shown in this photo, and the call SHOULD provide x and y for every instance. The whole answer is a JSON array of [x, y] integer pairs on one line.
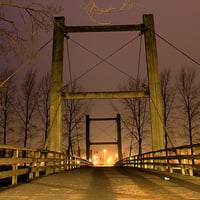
[[189, 99], [7, 98], [43, 105], [26, 104], [73, 113], [17, 33], [20, 26], [134, 119], [168, 92]]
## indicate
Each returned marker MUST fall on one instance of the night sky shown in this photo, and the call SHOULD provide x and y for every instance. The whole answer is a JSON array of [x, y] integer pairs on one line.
[[177, 21]]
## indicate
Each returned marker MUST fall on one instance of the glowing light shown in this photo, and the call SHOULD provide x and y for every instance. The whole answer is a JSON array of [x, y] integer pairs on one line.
[[110, 161], [78, 162], [104, 156], [95, 162]]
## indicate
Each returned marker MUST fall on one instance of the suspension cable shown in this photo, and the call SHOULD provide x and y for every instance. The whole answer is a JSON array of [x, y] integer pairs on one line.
[[145, 106], [176, 48], [165, 128], [104, 130], [51, 125], [137, 83], [69, 63], [139, 61], [33, 55], [104, 59]]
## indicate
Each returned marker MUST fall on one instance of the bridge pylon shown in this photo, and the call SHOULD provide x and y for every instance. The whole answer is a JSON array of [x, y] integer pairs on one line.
[[56, 84], [155, 102]]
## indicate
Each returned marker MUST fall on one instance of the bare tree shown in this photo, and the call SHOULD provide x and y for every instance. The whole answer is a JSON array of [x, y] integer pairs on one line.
[[17, 32], [168, 92], [135, 109], [43, 105], [73, 113], [26, 103], [7, 97], [189, 99]]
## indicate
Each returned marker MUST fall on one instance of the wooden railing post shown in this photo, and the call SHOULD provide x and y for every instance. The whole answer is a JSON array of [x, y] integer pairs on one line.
[[154, 161], [31, 173], [15, 167], [47, 163], [65, 161], [37, 156], [54, 162]]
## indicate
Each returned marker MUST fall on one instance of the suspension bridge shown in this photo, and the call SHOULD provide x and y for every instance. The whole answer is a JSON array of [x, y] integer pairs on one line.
[[170, 173]]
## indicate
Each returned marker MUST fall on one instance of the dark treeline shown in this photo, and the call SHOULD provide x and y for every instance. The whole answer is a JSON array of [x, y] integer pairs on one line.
[[24, 111], [181, 110]]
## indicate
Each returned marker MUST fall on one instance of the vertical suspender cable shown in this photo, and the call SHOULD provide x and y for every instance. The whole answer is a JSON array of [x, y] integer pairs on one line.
[[69, 63], [139, 59]]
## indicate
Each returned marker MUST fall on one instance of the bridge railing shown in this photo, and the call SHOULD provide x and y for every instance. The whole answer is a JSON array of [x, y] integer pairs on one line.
[[173, 159], [33, 163]]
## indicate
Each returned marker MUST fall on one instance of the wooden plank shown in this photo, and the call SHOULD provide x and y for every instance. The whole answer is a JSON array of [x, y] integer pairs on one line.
[[10, 147], [11, 161], [10, 173]]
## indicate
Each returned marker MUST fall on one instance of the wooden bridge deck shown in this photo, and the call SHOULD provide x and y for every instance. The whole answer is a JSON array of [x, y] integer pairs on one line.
[[106, 184]]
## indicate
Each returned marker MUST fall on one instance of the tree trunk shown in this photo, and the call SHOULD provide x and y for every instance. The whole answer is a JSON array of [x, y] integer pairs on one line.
[[140, 146], [70, 149], [25, 135]]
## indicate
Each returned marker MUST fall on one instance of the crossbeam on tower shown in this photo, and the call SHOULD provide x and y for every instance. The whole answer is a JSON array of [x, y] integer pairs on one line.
[[102, 143], [105, 95], [107, 28]]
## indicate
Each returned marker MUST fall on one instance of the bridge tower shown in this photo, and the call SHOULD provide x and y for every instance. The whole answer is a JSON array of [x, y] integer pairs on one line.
[[154, 93], [118, 143], [56, 84], [155, 102]]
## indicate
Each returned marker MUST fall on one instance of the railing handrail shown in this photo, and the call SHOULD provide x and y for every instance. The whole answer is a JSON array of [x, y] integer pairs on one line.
[[167, 159], [17, 161], [173, 148], [10, 147]]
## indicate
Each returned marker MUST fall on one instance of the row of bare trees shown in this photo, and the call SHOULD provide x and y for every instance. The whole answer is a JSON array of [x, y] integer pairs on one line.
[[186, 99], [22, 105], [24, 112], [181, 108]]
